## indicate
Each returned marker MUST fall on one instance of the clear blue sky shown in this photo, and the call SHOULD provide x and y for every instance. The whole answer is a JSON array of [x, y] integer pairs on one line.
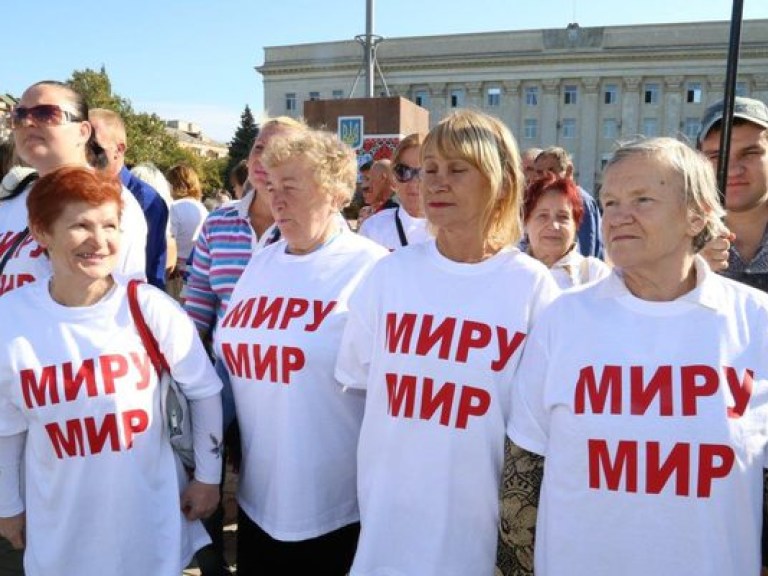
[[195, 59]]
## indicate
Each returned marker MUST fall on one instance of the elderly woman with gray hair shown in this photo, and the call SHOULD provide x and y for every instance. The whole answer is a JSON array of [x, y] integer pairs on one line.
[[646, 393], [278, 339]]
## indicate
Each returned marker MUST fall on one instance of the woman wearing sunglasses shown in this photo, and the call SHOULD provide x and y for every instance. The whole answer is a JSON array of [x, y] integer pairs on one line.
[[51, 130], [406, 224]]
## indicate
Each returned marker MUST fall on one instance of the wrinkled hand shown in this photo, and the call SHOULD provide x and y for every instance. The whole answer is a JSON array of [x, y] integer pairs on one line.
[[715, 252], [199, 500], [12, 529]]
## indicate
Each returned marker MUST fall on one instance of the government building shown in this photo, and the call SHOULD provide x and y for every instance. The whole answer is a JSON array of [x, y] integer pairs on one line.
[[580, 88]]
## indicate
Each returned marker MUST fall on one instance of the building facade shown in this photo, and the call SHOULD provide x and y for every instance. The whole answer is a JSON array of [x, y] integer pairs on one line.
[[6, 103], [190, 136], [580, 88]]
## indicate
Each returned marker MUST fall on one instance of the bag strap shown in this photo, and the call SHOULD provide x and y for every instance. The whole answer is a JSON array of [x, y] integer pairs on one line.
[[400, 231], [21, 186], [16, 243], [156, 357]]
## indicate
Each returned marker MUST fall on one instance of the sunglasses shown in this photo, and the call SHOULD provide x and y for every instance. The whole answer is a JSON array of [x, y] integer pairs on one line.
[[404, 173], [41, 115]]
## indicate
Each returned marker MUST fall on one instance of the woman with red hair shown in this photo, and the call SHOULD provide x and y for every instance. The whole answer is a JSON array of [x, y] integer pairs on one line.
[[80, 402], [552, 213]]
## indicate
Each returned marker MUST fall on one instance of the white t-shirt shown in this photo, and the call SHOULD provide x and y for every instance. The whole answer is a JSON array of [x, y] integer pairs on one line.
[[382, 228], [653, 420], [298, 428], [101, 486], [187, 217], [434, 343], [29, 262]]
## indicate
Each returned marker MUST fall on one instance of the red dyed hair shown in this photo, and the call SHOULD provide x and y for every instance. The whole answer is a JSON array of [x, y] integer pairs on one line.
[[53, 192], [564, 186]]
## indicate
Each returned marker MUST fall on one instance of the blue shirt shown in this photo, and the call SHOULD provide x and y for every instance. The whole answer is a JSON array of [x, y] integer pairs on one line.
[[156, 214], [590, 235]]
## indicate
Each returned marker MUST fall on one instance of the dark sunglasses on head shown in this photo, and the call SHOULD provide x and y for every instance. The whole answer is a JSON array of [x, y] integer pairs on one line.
[[405, 173], [41, 115]]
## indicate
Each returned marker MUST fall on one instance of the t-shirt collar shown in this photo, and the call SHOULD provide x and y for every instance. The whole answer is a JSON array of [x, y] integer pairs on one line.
[[706, 293]]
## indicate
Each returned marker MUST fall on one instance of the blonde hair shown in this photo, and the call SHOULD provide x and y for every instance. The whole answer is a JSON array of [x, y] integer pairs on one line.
[[185, 183], [487, 144], [333, 162], [287, 121], [112, 120], [699, 191], [414, 140]]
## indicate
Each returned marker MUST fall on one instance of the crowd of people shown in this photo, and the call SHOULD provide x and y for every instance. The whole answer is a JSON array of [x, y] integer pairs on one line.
[[488, 372]]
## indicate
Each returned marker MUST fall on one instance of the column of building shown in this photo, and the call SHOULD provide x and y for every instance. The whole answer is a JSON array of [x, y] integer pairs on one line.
[[510, 107], [474, 95], [673, 106], [438, 105], [630, 105], [587, 159], [760, 87], [550, 113]]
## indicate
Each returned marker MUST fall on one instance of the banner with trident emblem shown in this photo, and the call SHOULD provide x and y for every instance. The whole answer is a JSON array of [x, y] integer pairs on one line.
[[350, 131]]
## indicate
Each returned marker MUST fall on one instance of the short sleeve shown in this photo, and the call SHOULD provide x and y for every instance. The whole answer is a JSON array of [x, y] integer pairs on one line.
[[357, 343], [528, 426]]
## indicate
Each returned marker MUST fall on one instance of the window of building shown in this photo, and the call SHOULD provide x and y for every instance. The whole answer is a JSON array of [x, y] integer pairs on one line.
[[570, 94], [421, 98], [693, 93], [457, 98], [611, 94], [651, 93], [569, 128], [338, 94], [741, 89], [530, 128], [650, 127], [531, 96], [691, 128], [290, 101], [314, 96], [610, 128], [494, 96], [604, 159]]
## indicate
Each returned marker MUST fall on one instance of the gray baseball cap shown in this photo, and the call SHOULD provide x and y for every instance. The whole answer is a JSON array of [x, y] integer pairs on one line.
[[748, 109]]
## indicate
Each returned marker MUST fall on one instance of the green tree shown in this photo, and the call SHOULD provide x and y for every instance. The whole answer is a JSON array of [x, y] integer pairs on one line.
[[96, 88], [243, 139], [148, 139]]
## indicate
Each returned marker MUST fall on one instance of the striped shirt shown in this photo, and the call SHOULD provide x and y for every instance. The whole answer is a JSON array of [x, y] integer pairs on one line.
[[222, 251]]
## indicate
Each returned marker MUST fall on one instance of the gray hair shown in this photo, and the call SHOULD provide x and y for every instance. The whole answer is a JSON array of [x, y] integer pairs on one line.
[[153, 176], [699, 184]]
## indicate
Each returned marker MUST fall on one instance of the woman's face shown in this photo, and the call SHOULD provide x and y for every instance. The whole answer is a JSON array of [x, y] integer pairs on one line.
[[409, 192], [83, 242], [302, 210], [47, 147], [257, 174], [646, 226], [551, 228], [456, 194]]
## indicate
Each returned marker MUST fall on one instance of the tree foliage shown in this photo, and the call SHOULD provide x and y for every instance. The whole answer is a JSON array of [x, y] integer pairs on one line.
[[148, 140], [241, 143]]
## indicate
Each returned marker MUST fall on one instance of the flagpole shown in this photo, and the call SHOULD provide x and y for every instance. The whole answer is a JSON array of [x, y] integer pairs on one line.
[[730, 92]]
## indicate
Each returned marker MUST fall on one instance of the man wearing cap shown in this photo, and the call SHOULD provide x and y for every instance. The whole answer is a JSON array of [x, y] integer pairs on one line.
[[746, 194]]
